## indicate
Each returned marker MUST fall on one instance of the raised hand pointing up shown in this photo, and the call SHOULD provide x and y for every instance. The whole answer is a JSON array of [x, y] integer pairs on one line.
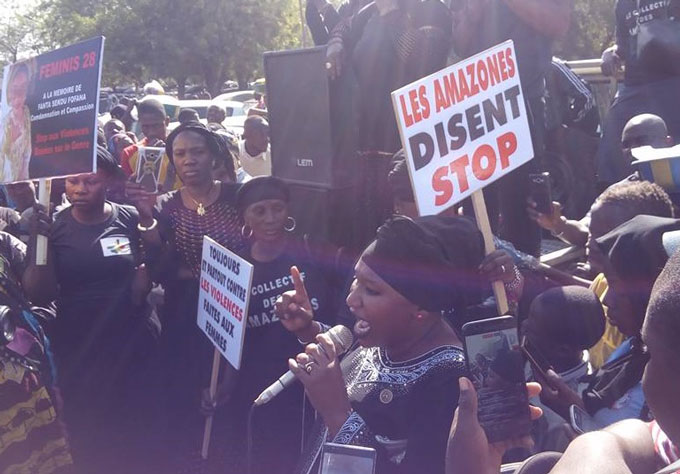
[[294, 309]]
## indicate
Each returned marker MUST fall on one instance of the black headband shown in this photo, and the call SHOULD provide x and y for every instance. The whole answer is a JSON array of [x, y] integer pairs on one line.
[[433, 261], [259, 189]]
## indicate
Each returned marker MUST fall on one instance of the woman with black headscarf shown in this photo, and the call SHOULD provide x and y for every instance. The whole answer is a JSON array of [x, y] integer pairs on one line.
[[272, 249], [102, 335], [397, 392], [172, 227], [633, 255]]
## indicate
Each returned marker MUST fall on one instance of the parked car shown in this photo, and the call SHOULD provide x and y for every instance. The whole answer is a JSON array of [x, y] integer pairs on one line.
[[238, 96], [236, 113]]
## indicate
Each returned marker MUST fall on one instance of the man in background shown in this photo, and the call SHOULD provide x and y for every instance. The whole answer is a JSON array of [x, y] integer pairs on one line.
[[254, 151], [533, 25]]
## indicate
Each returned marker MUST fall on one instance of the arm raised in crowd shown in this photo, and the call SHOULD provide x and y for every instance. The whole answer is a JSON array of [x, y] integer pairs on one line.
[[294, 309], [159, 256], [343, 38], [551, 18], [571, 231], [39, 281]]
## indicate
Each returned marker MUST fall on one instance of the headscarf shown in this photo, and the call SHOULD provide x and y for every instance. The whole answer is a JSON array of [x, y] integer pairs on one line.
[[432, 261], [215, 144], [636, 252], [259, 189]]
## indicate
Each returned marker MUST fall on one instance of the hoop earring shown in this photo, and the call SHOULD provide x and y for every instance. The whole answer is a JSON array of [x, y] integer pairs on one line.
[[246, 235], [290, 228]]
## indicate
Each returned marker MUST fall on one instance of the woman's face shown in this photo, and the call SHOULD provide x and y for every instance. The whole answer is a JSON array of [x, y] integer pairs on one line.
[[661, 380], [384, 317], [267, 218], [86, 191], [18, 89], [192, 158], [620, 310]]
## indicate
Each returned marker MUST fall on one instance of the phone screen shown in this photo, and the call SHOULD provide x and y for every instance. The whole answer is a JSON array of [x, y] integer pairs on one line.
[[496, 366], [347, 462]]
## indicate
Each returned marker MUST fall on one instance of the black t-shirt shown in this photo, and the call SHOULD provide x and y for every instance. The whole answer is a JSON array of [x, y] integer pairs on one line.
[[94, 266], [268, 345], [627, 14]]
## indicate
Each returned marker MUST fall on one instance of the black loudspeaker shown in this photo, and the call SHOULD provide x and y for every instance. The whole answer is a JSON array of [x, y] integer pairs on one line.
[[324, 214], [311, 119]]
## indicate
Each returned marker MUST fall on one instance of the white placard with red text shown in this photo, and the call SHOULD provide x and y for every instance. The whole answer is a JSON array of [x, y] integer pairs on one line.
[[463, 127], [223, 299]]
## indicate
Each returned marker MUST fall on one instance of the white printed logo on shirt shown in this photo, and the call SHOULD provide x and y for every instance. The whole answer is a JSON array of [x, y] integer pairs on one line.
[[115, 246]]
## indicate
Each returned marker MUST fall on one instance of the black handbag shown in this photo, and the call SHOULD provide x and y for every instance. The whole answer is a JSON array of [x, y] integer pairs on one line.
[[614, 379], [658, 44]]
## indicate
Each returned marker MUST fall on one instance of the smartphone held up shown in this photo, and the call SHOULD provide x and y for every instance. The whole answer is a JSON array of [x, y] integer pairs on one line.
[[496, 367], [540, 192]]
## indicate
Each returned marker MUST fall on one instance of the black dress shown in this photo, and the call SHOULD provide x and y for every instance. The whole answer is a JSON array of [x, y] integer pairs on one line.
[[387, 52], [402, 409], [185, 361], [102, 342]]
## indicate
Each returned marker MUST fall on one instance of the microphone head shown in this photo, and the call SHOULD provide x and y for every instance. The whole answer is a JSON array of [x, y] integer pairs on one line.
[[341, 337]]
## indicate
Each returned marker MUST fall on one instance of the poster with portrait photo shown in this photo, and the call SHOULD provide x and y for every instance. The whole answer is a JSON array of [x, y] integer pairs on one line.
[[48, 113]]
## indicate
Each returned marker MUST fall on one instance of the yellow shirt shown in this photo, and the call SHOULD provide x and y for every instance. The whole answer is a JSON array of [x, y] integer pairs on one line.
[[612, 337]]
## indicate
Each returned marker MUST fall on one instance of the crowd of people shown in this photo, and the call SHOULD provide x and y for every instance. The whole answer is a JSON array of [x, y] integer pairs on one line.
[[103, 368]]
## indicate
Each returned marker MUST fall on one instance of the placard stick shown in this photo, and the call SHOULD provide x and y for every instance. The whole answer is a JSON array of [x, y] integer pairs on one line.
[[213, 390], [44, 189], [482, 217]]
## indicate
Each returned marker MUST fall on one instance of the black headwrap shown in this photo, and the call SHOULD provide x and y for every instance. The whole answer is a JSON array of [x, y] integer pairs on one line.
[[432, 261], [261, 188], [636, 252], [215, 144], [107, 163]]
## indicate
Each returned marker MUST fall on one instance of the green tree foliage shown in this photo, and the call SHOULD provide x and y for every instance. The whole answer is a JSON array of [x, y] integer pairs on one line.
[[17, 24], [592, 30], [210, 41], [206, 41]]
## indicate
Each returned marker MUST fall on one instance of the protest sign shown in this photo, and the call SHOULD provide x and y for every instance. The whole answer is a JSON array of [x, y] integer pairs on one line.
[[48, 113], [463, 127], [223, 299]]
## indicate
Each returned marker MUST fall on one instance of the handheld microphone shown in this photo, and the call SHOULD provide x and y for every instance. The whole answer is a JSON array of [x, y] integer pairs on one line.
[[342, 339]]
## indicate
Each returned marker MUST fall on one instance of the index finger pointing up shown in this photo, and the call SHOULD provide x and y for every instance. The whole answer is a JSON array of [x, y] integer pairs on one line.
[[298, 284]]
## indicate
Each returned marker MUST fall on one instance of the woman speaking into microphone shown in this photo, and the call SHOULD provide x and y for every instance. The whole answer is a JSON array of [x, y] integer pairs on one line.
[[398, 390]]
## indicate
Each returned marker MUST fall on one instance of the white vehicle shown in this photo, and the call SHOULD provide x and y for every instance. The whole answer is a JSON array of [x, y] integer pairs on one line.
[[236, 113], [237, 96]]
